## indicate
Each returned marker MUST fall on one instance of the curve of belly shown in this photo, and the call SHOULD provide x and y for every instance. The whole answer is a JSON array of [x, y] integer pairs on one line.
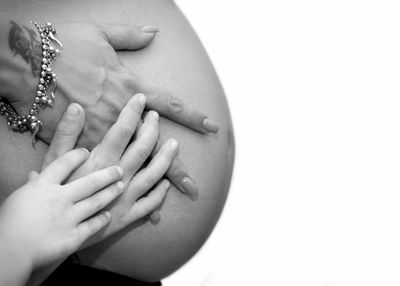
[[177, 61]]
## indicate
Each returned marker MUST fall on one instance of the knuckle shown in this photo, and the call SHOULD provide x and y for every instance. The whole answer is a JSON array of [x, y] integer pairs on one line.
[[142, 152], [175, 104], [177, 172], [157, 199], [148, 208], [99, 221], [64, 131], [126, 77], [97, 204], [91, 226], [150, 180], [93, 181], [126, 131]]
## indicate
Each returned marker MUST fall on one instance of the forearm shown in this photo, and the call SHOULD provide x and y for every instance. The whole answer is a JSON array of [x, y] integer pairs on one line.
[[20, 59]]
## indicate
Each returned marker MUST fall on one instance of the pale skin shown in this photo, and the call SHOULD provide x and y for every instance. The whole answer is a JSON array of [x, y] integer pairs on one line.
[[44, 220], [107, 87], [55, 223], [174, 60], [116, 149]]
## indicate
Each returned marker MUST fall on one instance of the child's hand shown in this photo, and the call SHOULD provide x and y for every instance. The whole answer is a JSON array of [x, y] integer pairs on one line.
[[45, 221], [142, 194]]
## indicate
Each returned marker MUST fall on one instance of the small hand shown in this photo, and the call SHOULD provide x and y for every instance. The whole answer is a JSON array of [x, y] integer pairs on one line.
[[140, 197], [67, 135], [47, 220]]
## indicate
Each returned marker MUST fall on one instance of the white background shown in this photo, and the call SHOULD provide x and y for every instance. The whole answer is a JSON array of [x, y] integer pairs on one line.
[[313, 88]]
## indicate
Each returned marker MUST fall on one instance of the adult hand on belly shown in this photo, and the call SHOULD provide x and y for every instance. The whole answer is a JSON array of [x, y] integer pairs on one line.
[[90, 73], [176, 60]]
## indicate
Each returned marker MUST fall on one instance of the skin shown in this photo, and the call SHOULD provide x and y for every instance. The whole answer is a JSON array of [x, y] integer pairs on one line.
[[154, 250], [57, 211], [45, 221], [107, 87]]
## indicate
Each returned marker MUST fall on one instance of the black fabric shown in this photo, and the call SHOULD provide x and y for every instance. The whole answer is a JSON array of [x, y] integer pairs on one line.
[[75, 274]]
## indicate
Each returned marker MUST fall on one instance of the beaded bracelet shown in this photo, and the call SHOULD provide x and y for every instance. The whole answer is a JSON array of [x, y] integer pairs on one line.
[[45, 91]]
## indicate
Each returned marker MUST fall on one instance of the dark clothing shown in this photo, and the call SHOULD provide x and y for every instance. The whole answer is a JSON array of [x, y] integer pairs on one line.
[[74, 274]]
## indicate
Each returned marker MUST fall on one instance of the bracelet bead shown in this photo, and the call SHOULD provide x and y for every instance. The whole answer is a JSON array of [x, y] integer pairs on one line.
[[44, 96]]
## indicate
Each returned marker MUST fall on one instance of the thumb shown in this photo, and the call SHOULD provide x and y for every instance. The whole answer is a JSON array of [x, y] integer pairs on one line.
[[126, 37]]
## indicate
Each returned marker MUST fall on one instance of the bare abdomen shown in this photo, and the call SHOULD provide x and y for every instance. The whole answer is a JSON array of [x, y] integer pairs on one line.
[[177, 61]]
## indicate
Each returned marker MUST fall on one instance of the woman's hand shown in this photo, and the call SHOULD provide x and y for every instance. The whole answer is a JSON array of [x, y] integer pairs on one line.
[[142, 194], [46, 221], [90, 73]]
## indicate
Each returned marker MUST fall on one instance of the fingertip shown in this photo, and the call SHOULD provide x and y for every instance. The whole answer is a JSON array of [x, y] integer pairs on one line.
[[189, 187], [85, 152], [142, 98], [210, 126], [166, 184], [155, 217], [152, 114], [173, 144], [74, 109], [155, 115], [120, 171]]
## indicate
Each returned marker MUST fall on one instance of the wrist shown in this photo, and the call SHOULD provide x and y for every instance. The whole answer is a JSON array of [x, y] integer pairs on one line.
[[15, 265], [20, 59]]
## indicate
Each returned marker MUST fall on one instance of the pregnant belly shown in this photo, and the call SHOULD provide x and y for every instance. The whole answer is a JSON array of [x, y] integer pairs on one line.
[[175, 60]]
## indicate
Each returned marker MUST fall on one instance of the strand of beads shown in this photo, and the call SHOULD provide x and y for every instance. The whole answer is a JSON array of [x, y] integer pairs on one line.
[[44, 96], [12, 116]]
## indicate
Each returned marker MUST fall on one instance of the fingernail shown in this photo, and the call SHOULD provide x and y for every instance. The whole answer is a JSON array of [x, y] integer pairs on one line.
[[149, 29], [189, 186], [73, 109], [167, 184], [120, 171], [142, 99], [155, 115], [174, 144], [86, 151], [120, 186], [210, 126], [107, 215]]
